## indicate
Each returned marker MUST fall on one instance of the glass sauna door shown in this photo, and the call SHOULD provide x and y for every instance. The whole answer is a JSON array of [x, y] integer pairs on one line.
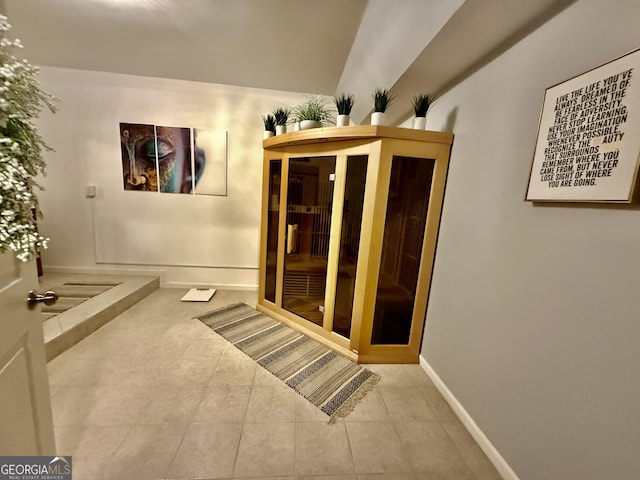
[[308, 222], [404, 228], [273, 218], [351, 225]]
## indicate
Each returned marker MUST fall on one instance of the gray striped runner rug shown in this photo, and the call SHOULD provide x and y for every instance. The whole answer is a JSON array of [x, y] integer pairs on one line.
[[71, 294], [328, 380]]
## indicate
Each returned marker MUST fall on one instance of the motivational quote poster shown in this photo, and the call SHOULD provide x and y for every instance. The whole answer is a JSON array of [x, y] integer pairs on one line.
[[589, 136]]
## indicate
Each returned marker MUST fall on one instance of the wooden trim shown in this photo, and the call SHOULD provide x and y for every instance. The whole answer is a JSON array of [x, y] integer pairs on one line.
[[439, 153], [349, 147], [282, 228], [364, 266], [335, 231], [264, 216], [361, 132], [401, 357], [373, 255], [328, 339], [432, 227]]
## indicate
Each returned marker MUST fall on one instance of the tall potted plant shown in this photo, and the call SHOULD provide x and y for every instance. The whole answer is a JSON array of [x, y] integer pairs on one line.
[[313, 113], [382, 98], [344, 104], [421, 104], [281, 116], [21, 149], [269, 125]]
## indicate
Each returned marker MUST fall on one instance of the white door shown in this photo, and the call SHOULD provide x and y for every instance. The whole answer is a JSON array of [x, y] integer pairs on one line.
[[26, 426]]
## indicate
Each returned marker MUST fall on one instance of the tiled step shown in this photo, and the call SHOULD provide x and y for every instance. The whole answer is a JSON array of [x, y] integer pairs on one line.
[[64, 330]]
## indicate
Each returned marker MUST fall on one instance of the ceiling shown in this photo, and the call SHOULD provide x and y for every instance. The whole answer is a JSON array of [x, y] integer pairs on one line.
[[291, 45]]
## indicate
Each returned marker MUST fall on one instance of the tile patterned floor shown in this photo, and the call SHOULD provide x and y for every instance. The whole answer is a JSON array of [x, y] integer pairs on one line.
[[155, 394]]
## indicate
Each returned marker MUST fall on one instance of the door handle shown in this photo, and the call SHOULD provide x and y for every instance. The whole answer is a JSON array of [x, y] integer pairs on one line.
[[49, 297]]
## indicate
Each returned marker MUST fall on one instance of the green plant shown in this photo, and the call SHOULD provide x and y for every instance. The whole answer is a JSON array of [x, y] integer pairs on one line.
[[281, 115], [344, 103], [382, 98], [269, 123], [21, 149], [421, 104], [315, 108]]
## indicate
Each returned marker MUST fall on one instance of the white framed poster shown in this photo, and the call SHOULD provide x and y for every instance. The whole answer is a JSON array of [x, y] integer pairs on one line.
[[588, 142]]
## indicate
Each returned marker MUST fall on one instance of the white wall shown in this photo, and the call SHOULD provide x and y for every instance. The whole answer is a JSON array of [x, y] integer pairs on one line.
[[534, 314], [191, 239], [387, 43]]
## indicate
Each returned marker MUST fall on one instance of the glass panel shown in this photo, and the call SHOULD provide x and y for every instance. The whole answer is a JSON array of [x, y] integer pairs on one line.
[[273, 218], [349, 243], [308, 222], [409, 190]]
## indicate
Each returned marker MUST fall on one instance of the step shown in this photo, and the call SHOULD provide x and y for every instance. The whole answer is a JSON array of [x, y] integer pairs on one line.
[[64, 330]]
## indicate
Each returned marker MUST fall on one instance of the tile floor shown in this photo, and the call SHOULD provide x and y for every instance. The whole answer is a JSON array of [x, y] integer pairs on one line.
[[155, 394]]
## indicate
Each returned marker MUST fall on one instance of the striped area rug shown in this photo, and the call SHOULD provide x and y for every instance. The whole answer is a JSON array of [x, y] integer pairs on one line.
[[328, 380], [71, 294]]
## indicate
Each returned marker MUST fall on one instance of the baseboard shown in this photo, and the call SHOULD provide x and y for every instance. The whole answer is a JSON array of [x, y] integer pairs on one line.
[[142, 271], [481, 439], [221, 286]]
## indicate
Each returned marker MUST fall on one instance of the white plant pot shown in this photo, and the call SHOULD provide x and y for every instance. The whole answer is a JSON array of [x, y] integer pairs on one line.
[[342, 121], [280, 129], [296, 126], [419, 123], [307, 124], [377, 118], [267, 134]]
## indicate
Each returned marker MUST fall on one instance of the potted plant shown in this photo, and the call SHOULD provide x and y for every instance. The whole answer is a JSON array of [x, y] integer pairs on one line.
[[382, 98], [344, 104], [313, 113], [269, 125], [281, 116], [421, 104]]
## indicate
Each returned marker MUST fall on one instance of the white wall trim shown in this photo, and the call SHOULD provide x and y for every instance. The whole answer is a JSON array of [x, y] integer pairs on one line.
[[161, 274], [230, 286], [103, 271], [487, 447]]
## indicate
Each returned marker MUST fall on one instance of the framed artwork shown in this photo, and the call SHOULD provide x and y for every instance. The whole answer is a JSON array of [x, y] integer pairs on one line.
[[138, 150], [210, 161], [173, 159], [173, 152], [588, 142]]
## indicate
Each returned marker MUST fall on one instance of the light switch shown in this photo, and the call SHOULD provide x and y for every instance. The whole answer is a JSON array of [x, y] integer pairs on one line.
[[90, 191]]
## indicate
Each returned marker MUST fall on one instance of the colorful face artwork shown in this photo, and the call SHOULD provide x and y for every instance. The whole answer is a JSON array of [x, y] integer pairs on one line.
[[138, 146], [158, 158], [174, 159]]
